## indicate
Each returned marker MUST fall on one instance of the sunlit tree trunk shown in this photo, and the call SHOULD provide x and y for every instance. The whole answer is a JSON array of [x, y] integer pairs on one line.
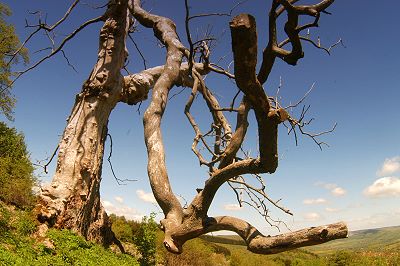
[[72, 200]]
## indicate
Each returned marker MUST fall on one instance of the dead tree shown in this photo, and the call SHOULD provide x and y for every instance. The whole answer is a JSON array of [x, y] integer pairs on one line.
[[72, 199]]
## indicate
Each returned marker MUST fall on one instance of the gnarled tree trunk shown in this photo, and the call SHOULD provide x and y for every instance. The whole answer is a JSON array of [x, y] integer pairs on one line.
[[72, 200]]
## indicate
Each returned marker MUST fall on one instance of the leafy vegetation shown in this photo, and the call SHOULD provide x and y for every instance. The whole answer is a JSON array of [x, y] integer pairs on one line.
[[17, 247], [123, 229], [16, 170], [145, 240], [10, 54]]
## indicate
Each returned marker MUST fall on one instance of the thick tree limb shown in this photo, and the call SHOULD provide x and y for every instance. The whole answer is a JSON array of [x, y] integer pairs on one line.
[[243, 27], [165, 31], [269, 55], [137, 86], [205, 197], [292, 30], [258, 243]]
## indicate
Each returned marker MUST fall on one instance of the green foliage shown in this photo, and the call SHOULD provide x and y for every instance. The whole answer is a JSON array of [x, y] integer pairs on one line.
[[17, 247], [10, 54], [74, 250], [124, 229], [197, 252], [145, 240], [16, 170]]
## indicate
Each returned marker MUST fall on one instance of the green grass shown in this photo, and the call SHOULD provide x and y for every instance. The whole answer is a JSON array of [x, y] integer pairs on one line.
[[17, 247]]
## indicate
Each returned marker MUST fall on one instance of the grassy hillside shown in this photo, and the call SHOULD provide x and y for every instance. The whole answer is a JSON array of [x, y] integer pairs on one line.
[[18, 247], [379, 239], [365, 247], [386, 238]]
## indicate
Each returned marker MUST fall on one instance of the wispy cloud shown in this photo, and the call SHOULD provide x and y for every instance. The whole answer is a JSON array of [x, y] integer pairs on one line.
[[328, 209], [119, 199], [338, 191], [389, 166], [122, 210], [232, 207], [384, 187], [146, 197], [382, 219], [312, 216], [314, 201], [333, 188]]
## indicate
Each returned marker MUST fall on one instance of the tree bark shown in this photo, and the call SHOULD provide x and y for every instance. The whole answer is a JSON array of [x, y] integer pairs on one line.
[[72, 200]]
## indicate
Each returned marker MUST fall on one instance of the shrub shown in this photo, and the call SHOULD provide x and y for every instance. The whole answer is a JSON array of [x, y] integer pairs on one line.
[[16, 170], [124, 229], [145, 240]]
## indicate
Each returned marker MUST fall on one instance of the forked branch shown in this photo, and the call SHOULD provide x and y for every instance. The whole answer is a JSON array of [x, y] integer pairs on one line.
[[181, 224]]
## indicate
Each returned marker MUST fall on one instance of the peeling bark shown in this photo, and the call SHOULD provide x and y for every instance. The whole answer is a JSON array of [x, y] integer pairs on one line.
[[72, 200]]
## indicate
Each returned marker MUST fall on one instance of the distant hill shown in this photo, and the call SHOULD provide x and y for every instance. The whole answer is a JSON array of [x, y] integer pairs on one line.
[[378, 239], [224, 239], [385, 238]]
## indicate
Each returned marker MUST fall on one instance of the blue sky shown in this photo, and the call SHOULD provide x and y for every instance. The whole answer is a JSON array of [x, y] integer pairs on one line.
[[356, 179]]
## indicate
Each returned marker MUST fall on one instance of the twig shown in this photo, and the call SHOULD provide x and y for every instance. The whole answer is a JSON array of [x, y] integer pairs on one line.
[[119, 181], [49, 160]]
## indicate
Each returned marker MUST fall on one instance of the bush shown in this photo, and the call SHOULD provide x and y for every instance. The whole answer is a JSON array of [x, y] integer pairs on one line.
[[145, 240], [124, 229], [8, 46], [341, 258], [16, 170], [197, 252]]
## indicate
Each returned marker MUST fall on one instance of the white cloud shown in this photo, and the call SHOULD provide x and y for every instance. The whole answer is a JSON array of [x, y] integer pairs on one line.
[[107, 204], [119, 199], [314, 201], [312, 216], [338, 191], [384, 187], [146, 197], [122, 210], [376, 220], [328, 209], [232, 207], [390, 166], [329, 186], [333, 188]]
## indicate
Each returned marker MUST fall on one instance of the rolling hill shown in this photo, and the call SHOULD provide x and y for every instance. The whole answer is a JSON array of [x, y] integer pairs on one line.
[[386, 238]]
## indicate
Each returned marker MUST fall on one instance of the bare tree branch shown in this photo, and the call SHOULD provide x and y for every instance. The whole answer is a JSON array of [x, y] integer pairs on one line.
[[59, 48]]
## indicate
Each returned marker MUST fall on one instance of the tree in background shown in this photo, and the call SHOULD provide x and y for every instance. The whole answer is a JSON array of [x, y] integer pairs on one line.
[[11, 52], [124, 229], [145, 240], [72, 200], [16, 170]]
